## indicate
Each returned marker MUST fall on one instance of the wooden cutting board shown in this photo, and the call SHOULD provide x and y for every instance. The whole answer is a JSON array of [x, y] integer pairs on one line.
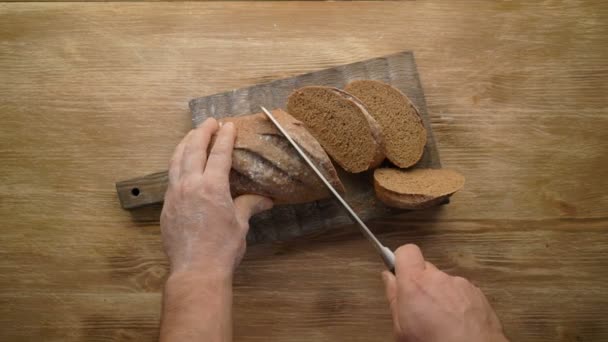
[[289, 221]]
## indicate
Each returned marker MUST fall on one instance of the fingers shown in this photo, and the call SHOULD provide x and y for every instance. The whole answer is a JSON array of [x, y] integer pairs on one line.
[[409, 260], [430, 267], [249, 205], [176, 160], [195, 150], [390, 289], [220, 157]]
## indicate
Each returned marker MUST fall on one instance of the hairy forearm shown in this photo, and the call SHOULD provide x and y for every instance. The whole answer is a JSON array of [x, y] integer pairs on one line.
[[197, 307]]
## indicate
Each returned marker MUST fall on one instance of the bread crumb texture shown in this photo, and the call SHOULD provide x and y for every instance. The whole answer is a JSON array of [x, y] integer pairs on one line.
[[402, 128], [430, 182], [416, 189], [338, 123]]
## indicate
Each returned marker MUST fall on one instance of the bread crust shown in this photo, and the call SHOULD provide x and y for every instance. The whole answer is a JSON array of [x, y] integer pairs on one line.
[[264, 163], [406, 201]]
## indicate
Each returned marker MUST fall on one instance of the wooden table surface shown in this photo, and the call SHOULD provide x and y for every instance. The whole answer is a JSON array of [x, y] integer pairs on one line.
[[92, 93]]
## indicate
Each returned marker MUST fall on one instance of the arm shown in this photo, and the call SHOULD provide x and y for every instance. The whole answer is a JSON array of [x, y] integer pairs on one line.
[[429, 305], [203, 231], [197, 307]]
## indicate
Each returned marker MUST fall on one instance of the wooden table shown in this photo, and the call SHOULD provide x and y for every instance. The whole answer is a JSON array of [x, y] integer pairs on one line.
[[91, 93]]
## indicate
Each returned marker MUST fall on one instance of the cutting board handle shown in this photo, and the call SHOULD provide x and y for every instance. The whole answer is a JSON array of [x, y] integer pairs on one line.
[[141, 191]]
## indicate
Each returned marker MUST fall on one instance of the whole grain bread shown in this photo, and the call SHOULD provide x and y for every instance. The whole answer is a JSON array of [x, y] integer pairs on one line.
[[415, 189], [264, 163], [402, 128], [341, 124]]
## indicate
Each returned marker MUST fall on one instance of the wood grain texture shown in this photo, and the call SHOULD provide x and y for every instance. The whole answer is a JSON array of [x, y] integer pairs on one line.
[[92, 93], [291, 221]]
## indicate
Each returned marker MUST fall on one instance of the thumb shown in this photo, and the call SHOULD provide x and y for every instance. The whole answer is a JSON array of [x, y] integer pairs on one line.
[[390, 288], [249, 205]]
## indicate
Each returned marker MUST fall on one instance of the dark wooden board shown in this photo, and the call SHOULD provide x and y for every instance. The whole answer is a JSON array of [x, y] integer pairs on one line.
[[289, 221]]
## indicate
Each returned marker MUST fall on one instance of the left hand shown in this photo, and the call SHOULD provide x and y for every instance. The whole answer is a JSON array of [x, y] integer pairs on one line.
[[203, 228]]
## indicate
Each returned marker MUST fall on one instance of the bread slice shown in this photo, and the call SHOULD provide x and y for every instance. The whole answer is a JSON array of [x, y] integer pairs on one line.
[[264, 162], [341, 124], [402, 128], [415, 189]]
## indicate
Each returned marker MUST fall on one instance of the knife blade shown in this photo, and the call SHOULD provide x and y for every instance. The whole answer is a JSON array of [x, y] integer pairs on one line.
[[388, 257]]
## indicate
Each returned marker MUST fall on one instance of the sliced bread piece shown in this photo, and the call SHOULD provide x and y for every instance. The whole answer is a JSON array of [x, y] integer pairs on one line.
[[341, 124], [415, 189], [402, 128]]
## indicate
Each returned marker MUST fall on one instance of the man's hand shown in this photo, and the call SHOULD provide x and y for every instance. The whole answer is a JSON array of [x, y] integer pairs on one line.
[[203, 231], [203, 228], [429, 305]]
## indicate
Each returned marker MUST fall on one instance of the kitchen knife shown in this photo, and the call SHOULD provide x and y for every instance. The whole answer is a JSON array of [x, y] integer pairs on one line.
[[387, 255]]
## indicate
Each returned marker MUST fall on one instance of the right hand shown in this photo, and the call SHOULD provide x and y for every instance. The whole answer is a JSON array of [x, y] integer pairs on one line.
[[429, 305]]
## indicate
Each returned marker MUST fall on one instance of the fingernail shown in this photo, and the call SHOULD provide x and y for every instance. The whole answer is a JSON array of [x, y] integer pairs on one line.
[[229, 125]]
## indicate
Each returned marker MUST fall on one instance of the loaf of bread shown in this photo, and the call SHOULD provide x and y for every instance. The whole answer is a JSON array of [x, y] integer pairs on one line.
[[264, 163], [341, 124], [415, 189], [402, 128]]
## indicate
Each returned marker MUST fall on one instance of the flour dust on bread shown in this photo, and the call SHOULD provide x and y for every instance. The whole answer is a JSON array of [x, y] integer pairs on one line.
[[417, 188], [402, 128], [264, 163], [341, 124]]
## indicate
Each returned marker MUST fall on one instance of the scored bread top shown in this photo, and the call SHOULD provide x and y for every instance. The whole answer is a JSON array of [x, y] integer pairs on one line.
[[401, 124], [264, 162], [341, 124], [415, 189]]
